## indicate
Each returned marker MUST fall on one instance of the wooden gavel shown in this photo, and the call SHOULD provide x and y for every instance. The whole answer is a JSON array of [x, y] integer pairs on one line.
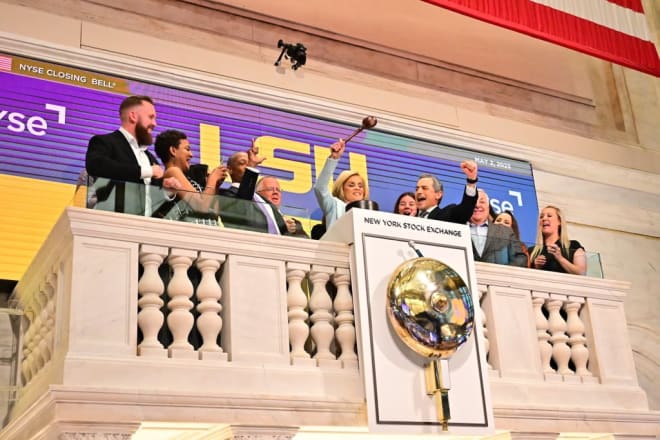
[[368, 122]]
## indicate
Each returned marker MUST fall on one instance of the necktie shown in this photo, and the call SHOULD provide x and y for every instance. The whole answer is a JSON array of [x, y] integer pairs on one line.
[[272, 226], [424, 214]]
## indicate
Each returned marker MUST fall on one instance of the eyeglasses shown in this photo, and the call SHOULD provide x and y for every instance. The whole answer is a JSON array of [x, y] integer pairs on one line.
[[270, 189]]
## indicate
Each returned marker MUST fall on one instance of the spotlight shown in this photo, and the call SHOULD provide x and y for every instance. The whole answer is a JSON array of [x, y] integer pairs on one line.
[[297, 53]]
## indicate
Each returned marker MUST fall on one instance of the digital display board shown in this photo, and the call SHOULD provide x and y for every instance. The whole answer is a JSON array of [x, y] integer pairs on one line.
[[48, 113]]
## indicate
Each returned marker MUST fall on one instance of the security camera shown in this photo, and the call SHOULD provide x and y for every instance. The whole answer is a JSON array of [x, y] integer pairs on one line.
[[297, 53]]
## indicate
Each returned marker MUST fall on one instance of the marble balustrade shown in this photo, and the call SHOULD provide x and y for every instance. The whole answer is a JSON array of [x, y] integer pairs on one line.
[[162, 317]]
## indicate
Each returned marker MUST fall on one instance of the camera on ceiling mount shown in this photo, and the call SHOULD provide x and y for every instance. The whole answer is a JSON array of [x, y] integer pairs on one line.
[[297, 53]]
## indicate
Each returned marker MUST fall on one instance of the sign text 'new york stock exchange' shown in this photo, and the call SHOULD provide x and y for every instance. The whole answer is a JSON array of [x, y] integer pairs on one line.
[[439, 229]]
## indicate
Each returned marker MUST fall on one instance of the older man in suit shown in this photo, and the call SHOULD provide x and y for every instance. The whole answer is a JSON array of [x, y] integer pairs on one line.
[[269, 189], [243, 208], [493, 243], [429, 192], [122, 156]]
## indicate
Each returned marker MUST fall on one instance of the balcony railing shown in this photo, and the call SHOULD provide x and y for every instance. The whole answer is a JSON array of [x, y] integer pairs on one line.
[[130, 319]]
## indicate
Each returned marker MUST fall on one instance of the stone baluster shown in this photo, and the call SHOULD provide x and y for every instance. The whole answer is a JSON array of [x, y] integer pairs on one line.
[[296, 302], [561, 353], [576, 336], [150, 288], [34, 359], [545, 348], [180, 289], [38, 356], [49, 323], [345, 332], [46, 294], [483, 290], [28, 345], [320, 304], [209, 322]]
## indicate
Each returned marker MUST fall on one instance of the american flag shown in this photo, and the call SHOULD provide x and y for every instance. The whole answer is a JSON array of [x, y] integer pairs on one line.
[[614, 30], [5, 63]]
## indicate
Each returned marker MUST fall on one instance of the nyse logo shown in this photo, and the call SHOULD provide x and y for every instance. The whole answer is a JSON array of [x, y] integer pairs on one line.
[[34, 124], [507, 205]]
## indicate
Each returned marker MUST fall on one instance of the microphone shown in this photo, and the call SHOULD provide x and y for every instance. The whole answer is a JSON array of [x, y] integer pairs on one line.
[[417, 251]]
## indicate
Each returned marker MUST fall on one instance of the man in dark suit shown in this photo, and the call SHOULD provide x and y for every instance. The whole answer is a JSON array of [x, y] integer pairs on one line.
[[428, 194], [122, 155], [241, 207], [493, 243]]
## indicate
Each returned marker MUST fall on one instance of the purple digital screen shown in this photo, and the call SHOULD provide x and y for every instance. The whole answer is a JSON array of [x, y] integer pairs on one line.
[[47, 119]]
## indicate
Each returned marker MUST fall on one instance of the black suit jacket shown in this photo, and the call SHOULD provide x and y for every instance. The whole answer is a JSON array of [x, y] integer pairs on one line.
[[110, 155], [453, 213], [501, 247], [239, 213]]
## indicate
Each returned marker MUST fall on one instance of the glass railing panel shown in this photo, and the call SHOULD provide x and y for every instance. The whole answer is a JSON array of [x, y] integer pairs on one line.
[[502, 251], [594, 265], [301, 218], [499, 250], [186, 206], [194, 207]]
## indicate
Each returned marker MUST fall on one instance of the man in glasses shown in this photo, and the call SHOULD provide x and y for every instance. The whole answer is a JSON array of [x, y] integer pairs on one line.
[[268, 189]]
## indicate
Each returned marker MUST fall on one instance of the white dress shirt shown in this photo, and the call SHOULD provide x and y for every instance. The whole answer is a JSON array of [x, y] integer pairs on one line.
[[145, 167], [479, 234], [265, 208]]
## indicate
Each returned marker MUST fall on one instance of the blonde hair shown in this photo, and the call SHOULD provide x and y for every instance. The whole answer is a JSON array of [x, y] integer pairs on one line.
[[338, 187], [563, 235]]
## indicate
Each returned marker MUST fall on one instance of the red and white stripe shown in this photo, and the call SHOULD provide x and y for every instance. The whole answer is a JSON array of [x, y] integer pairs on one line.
[[5, 63], [615, 30]]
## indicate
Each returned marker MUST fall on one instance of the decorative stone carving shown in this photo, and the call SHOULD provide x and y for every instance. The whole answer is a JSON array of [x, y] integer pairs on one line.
[[296, 304], [180, 289], [321, 306], [343, 304], [150, 288], [209, 293], [561, 353]]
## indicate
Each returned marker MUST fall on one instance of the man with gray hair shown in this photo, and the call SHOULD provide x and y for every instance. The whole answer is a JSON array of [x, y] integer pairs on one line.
[[269, 189], [493, 243], [251, 213], [428, 194]]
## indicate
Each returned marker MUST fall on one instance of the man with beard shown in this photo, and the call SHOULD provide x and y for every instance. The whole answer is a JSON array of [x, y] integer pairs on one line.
[[428, 194], [122, 155]]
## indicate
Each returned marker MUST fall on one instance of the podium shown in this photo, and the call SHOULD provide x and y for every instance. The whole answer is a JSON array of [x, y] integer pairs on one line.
[[393, 374]]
